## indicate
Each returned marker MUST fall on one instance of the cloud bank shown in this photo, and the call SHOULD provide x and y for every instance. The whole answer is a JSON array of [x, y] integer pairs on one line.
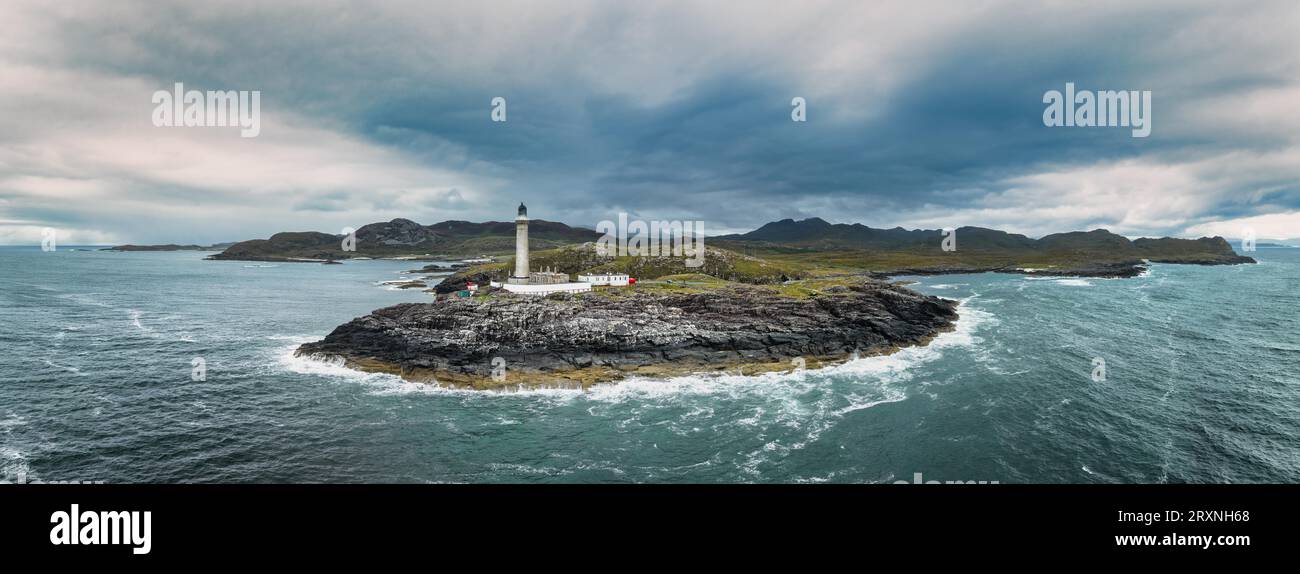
[[921, 114]]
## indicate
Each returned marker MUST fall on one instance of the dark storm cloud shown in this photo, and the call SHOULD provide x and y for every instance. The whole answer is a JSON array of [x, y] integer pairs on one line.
[[918, 114]]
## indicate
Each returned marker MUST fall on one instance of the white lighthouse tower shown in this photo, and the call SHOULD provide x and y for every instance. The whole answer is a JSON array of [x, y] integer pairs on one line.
[[520, 276], [543, 282]]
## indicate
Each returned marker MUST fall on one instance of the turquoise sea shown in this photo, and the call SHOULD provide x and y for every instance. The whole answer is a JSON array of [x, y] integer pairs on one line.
[[1202, 384]]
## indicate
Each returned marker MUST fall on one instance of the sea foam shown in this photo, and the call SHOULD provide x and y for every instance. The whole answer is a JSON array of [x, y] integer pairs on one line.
[[878, 372]]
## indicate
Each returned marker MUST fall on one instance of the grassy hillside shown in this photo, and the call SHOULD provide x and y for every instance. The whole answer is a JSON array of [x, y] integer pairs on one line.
[[406, 238], [821, 245], [776, 252], [720, 264]]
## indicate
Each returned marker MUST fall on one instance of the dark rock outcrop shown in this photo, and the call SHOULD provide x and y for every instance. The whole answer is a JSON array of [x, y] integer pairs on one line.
[[460, 282], [437, 268], [603, 336]]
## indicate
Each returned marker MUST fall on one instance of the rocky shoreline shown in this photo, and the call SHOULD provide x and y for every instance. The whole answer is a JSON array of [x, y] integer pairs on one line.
[[584, 339]]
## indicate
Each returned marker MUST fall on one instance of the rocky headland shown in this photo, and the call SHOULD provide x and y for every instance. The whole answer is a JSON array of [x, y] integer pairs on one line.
[[583, 339]]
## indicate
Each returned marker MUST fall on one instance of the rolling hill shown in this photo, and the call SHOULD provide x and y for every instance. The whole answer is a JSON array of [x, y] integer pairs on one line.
[[406, 238], [898, 250]]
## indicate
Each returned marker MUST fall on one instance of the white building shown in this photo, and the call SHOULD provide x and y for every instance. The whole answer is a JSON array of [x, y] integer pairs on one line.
[[543, 290], [606, 279]]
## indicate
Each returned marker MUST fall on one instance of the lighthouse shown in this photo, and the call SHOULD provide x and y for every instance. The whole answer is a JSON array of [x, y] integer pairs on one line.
[[520, 276], [545, 281]]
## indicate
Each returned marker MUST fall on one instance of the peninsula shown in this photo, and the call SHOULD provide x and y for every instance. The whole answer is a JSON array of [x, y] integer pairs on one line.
[[788, 295]]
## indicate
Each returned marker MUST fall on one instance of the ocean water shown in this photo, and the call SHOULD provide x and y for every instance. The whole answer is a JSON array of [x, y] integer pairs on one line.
[[1202, 384]]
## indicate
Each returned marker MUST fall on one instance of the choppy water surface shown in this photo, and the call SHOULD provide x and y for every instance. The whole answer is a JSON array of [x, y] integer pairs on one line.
[[1202, 385]]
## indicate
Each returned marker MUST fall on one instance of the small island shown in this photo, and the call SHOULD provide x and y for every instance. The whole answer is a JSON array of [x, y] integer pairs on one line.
[[170, 247], [677, 325]]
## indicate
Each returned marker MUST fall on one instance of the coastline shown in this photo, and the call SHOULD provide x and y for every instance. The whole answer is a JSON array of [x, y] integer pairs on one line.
[[579, 342], [586, 377], [956, 334]]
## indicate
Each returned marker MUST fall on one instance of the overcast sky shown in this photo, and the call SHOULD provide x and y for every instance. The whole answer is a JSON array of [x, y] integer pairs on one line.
[[919, 114]]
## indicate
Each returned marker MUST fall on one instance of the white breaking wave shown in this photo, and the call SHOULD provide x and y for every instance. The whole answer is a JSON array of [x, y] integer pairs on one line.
[[808, 402], [383, 383], [885, 368], [881, 371]]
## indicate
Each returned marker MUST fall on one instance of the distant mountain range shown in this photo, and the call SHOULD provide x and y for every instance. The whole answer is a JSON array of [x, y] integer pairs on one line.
[[170, 247], [977, 248], [406, 238], [816, 234], [810, 242], [1278, 243]]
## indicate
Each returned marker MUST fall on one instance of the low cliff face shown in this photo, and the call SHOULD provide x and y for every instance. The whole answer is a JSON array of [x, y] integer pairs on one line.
[[1203, 251], [603, 336]]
